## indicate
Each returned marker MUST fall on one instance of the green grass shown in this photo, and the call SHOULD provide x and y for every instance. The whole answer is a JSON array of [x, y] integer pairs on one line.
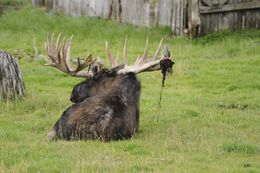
[[210, 115]]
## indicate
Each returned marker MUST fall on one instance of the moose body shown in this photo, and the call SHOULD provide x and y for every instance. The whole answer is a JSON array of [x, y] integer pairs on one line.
[[109, 115], [106, 104]]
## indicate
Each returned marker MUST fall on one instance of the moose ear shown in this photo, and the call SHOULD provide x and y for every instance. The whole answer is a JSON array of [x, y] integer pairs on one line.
[[97, 66]]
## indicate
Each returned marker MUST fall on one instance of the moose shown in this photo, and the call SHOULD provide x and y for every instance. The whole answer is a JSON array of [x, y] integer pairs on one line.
[[106, 104]]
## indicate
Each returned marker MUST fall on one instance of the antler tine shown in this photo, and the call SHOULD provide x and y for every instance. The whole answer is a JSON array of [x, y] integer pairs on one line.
[[64, 54], [117, 58], [124, 52], [49, 50], [155, 56], [52, 40], [144, 57], [60, 52], [67, 52], [58, 45], [146, 48], [109, 56]]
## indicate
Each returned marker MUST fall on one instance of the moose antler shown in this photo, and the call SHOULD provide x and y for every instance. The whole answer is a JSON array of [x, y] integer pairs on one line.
[[142, 63], [59, 57]]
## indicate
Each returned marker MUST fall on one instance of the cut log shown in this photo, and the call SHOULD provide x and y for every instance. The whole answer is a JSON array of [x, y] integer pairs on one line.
[[11, 82]]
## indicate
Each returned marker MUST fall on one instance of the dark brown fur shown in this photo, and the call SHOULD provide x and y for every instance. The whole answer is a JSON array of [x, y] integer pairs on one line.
[[106, 107]]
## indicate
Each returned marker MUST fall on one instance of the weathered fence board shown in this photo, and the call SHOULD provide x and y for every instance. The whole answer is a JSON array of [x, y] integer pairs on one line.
[[165, 12], [231, 7], [136, 12]]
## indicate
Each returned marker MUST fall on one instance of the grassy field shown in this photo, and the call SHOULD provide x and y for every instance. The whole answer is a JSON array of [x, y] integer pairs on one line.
[[210, 115]]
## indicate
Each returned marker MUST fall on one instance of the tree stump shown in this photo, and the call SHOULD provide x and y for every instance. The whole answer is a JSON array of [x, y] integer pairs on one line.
[[11, 83]]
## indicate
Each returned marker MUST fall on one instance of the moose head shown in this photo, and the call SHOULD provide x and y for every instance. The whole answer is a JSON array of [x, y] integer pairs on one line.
[[106, 104]]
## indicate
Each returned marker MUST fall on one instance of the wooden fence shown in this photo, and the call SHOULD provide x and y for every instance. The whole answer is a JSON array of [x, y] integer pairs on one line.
[[192, 17], [228, 14]]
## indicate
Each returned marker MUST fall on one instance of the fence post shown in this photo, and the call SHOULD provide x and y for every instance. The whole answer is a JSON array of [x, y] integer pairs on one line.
[[193, 18]]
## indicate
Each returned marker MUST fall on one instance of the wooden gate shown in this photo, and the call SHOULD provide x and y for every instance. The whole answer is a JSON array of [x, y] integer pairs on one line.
[[208, 16]]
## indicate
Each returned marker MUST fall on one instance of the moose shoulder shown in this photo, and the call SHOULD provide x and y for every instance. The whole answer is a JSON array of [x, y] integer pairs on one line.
[[107, 102]]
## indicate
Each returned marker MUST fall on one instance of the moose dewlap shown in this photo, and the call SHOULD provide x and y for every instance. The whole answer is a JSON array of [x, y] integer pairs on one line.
[[106, 104], [11, 82]]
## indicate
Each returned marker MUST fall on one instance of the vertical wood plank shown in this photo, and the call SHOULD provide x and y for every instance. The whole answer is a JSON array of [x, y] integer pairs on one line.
[[194, 18]]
